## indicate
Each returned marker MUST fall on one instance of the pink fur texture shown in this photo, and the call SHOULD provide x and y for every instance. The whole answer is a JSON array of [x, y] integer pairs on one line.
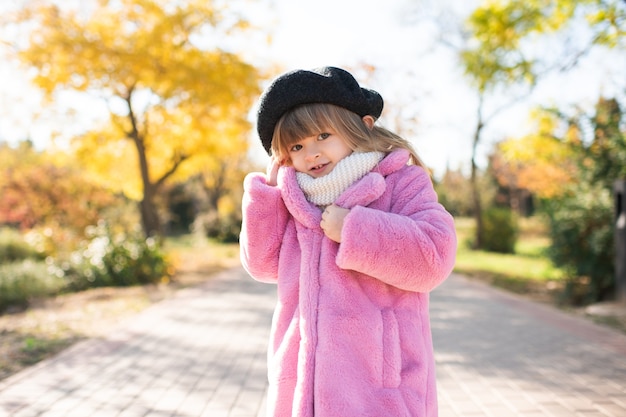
[[351, 332]]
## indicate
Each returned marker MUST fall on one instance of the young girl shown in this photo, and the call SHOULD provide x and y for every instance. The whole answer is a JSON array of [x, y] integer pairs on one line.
[[348, 225]]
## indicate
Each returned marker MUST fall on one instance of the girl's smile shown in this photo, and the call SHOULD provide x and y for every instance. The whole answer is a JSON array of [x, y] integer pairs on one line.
[[319, 168], [317, 155]]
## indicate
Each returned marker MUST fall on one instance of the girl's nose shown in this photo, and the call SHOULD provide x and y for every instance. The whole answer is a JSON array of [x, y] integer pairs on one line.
[[312, 153]]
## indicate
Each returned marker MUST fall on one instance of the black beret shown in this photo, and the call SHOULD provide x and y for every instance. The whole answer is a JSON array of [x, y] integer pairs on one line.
[[323, 85]]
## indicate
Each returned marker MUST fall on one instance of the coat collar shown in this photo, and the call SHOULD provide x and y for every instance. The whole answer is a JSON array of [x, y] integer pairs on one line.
[[361, 193]]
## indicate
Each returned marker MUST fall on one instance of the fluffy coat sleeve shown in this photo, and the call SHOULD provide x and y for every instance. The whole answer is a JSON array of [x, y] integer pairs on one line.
[[412, 246], [263, 226]]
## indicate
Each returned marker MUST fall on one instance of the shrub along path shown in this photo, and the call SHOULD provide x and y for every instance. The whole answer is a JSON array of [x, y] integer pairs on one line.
[[202, 353], [52, 324]]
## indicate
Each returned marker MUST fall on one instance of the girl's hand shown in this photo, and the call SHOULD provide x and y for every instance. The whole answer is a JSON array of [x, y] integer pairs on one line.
[[272, 172], [332, 222]]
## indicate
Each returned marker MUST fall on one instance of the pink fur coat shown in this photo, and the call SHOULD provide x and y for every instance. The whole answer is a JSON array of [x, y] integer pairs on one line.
[[351, 332]]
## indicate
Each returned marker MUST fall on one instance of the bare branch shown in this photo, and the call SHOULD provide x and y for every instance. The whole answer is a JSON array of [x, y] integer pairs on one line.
[[178, 159]]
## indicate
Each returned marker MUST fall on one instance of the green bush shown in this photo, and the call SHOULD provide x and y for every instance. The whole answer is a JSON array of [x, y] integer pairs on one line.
[[14, 248], [224, 228], [22, 281], [500, 230], [111, 258], [582, 233]]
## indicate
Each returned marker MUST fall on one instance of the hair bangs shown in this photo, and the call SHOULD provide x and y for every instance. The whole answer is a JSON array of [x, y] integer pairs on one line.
[[303, 121], [313, 119]]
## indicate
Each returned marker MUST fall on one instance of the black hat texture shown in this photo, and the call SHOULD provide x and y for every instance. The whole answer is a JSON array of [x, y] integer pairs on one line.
[[322, 85]]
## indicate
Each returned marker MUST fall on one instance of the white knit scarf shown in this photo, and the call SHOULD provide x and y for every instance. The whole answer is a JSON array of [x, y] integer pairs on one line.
[[323, 191]]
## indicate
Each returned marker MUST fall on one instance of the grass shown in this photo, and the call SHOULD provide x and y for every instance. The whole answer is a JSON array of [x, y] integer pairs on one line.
[[527, 271]]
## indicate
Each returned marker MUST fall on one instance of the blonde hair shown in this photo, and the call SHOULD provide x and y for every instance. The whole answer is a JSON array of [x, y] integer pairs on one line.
[[312, 119]]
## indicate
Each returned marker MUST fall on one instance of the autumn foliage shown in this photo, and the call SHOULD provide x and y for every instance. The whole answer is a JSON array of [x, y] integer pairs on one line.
[[176, 99], [37, 192], [51, 194]]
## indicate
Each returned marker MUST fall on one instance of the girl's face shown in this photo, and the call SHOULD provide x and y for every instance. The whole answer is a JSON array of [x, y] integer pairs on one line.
[[317, 155]]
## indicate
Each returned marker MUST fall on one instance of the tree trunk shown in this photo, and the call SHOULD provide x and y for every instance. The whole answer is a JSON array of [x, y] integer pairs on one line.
[[478, 241], [478, 217], [219, 179], [149, 215], [150, 221]]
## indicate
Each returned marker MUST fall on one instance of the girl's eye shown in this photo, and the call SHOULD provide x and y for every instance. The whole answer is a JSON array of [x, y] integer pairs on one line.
[[295, 147], [323, 136]]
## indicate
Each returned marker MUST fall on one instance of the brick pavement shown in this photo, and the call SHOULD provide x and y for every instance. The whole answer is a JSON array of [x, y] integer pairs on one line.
[[202, 353], [499, 355]]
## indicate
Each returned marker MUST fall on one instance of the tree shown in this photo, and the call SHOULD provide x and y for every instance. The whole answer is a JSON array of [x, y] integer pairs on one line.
[[500, 51], [608, 146], [571, 163], [544, 161], [37, 191], [508, 191], [568, 148], [175, 98], [210, 202], [455, 192]]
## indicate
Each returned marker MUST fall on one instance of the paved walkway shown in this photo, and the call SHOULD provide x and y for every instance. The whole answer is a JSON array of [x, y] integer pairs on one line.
[[202, 353]]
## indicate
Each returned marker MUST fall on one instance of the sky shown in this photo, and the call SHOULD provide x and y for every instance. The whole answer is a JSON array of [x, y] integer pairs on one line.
[[419, 78], [421, 82], [415, 82]]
